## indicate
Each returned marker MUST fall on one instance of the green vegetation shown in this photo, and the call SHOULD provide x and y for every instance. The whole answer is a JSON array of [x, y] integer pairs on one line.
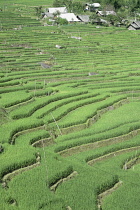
[[69, 116]]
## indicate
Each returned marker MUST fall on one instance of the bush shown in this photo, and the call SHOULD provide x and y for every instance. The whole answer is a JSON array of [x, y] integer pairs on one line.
[[61, 21]]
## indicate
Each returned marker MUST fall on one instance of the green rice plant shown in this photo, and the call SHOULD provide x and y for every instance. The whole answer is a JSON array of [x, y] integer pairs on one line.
[[81, 115], [39, 103], [54, 105], [128, 182], [59, 176], [17, 126], [18, 101], [20, 158], [13, 89], [132, 143], [113, 117], [28, 138], [10, 99], [46, 92], [72, 106], [119, 131], [107, 186], [10, 84], [40, 186], [37, 137], [126, 200]]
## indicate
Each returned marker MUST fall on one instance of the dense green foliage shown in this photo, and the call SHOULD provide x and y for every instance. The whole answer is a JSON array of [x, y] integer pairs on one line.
[[77, 6]]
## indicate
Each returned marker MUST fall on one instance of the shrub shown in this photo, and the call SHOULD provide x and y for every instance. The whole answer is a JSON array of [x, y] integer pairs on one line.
[[61, 21]]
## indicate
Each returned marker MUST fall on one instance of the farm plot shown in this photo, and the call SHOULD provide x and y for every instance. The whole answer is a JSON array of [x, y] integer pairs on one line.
[[70, 125]]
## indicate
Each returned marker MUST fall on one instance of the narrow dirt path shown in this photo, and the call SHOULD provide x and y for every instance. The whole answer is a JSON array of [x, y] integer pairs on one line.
[[95, 118]]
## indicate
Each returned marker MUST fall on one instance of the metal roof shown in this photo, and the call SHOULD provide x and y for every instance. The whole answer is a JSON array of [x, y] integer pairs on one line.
[[135, 24], [47, 14], [96, 5], [84, 18], [93, 5], [106, 12], [57, 9], [70, 17]]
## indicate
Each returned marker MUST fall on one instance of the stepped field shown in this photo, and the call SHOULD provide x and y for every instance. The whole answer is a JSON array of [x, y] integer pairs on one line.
[[69, 117]]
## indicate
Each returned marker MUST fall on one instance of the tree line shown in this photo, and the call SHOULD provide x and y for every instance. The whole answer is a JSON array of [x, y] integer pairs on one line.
[[72, 5]]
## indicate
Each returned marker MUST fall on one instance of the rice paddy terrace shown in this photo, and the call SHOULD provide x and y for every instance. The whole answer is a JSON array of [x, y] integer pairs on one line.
[[69, 116]]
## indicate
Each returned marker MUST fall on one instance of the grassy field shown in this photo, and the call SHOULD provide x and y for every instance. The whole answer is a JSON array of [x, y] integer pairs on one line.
[[69, 118]]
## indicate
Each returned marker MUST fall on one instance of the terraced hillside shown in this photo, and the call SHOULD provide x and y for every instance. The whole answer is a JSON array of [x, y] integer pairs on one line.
[[70, 123]]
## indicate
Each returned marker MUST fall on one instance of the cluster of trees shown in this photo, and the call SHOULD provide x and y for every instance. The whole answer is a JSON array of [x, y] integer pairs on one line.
[[118, 4], [77, 6], [72, 6], [124, 9], [38, 11]]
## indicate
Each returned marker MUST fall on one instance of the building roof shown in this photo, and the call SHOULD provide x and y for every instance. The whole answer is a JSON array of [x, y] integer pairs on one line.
[[44, 65], [84, 18], [93, 5], [57, 9], [99, 21], [47, 14], [96, 5], [135, 24], [106, 13], [70, 17], [92, 73]]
